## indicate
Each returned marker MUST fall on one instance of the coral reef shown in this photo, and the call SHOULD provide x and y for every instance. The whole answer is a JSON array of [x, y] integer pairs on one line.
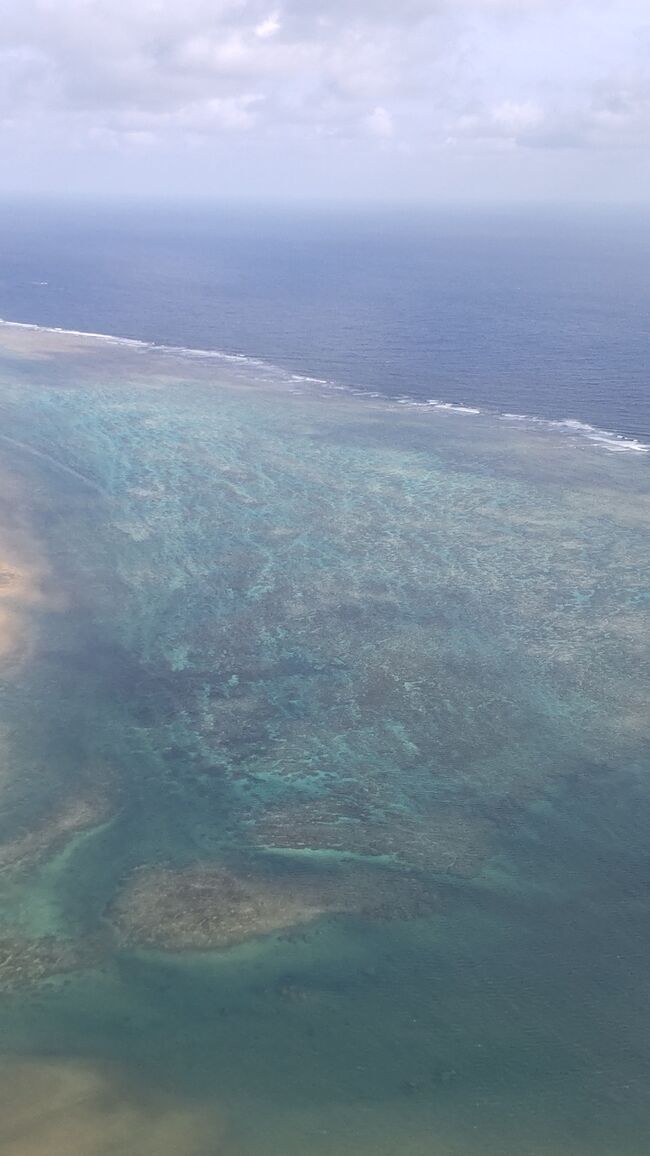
[[445, 839], [209, 906], [27, 962]]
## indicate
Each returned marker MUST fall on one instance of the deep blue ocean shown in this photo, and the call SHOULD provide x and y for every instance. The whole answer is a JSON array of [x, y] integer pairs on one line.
[[533, 311]]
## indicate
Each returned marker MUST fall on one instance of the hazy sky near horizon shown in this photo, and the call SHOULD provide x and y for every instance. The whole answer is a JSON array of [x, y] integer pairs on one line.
[[407, 100]]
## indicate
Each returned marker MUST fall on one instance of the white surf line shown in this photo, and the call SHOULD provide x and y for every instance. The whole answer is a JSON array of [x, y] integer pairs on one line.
[[138, 343], [605, 439]]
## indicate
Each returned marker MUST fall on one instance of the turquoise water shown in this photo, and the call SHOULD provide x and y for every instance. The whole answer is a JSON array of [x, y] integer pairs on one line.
[[324, 794]]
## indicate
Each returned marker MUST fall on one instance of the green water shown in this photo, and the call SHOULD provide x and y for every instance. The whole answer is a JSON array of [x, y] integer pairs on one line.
[[354, 698]]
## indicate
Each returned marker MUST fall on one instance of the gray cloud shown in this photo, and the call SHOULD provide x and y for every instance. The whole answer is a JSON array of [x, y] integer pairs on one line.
[[406, 85]]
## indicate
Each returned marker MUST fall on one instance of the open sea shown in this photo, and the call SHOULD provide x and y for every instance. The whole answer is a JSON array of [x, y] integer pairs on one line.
[[535, 312], [324, 682]]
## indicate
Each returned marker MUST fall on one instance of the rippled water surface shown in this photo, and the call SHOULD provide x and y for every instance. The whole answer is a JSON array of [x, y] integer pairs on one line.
[[534, 311], [324, 786]]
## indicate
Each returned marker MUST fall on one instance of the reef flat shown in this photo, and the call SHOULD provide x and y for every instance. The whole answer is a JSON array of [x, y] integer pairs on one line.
[[324, 784]]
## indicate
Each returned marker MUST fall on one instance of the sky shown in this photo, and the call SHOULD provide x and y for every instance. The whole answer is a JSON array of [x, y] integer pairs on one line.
[[410, 100]]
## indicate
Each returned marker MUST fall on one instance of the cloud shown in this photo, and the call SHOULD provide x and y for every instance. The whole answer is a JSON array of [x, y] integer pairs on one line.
[[419, 76], [268, 27], [380, 123]]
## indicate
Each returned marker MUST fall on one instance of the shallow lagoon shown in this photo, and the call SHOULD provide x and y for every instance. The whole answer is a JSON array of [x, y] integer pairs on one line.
[[324, 794]]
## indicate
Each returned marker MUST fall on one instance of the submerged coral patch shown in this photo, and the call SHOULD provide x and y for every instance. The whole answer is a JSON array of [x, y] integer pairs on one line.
[[209, 906], [26, 962], [444, 839]]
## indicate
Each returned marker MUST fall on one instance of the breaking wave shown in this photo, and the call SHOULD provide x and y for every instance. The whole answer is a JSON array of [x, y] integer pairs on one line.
[[602, 438]]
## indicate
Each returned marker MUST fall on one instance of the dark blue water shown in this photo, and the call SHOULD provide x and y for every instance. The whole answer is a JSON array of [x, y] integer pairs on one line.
[[537, 312]]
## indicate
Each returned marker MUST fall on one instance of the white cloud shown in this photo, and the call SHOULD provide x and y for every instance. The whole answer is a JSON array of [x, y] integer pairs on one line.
[[514, 117], [268, 27], [511, 120], [380, 123], [516, 74]]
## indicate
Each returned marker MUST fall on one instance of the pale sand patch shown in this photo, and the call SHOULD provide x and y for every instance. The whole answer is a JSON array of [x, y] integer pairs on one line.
[[12, 632], [25, 583], [38, 344], [76, 1108], [76, 815], [17, 590]]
